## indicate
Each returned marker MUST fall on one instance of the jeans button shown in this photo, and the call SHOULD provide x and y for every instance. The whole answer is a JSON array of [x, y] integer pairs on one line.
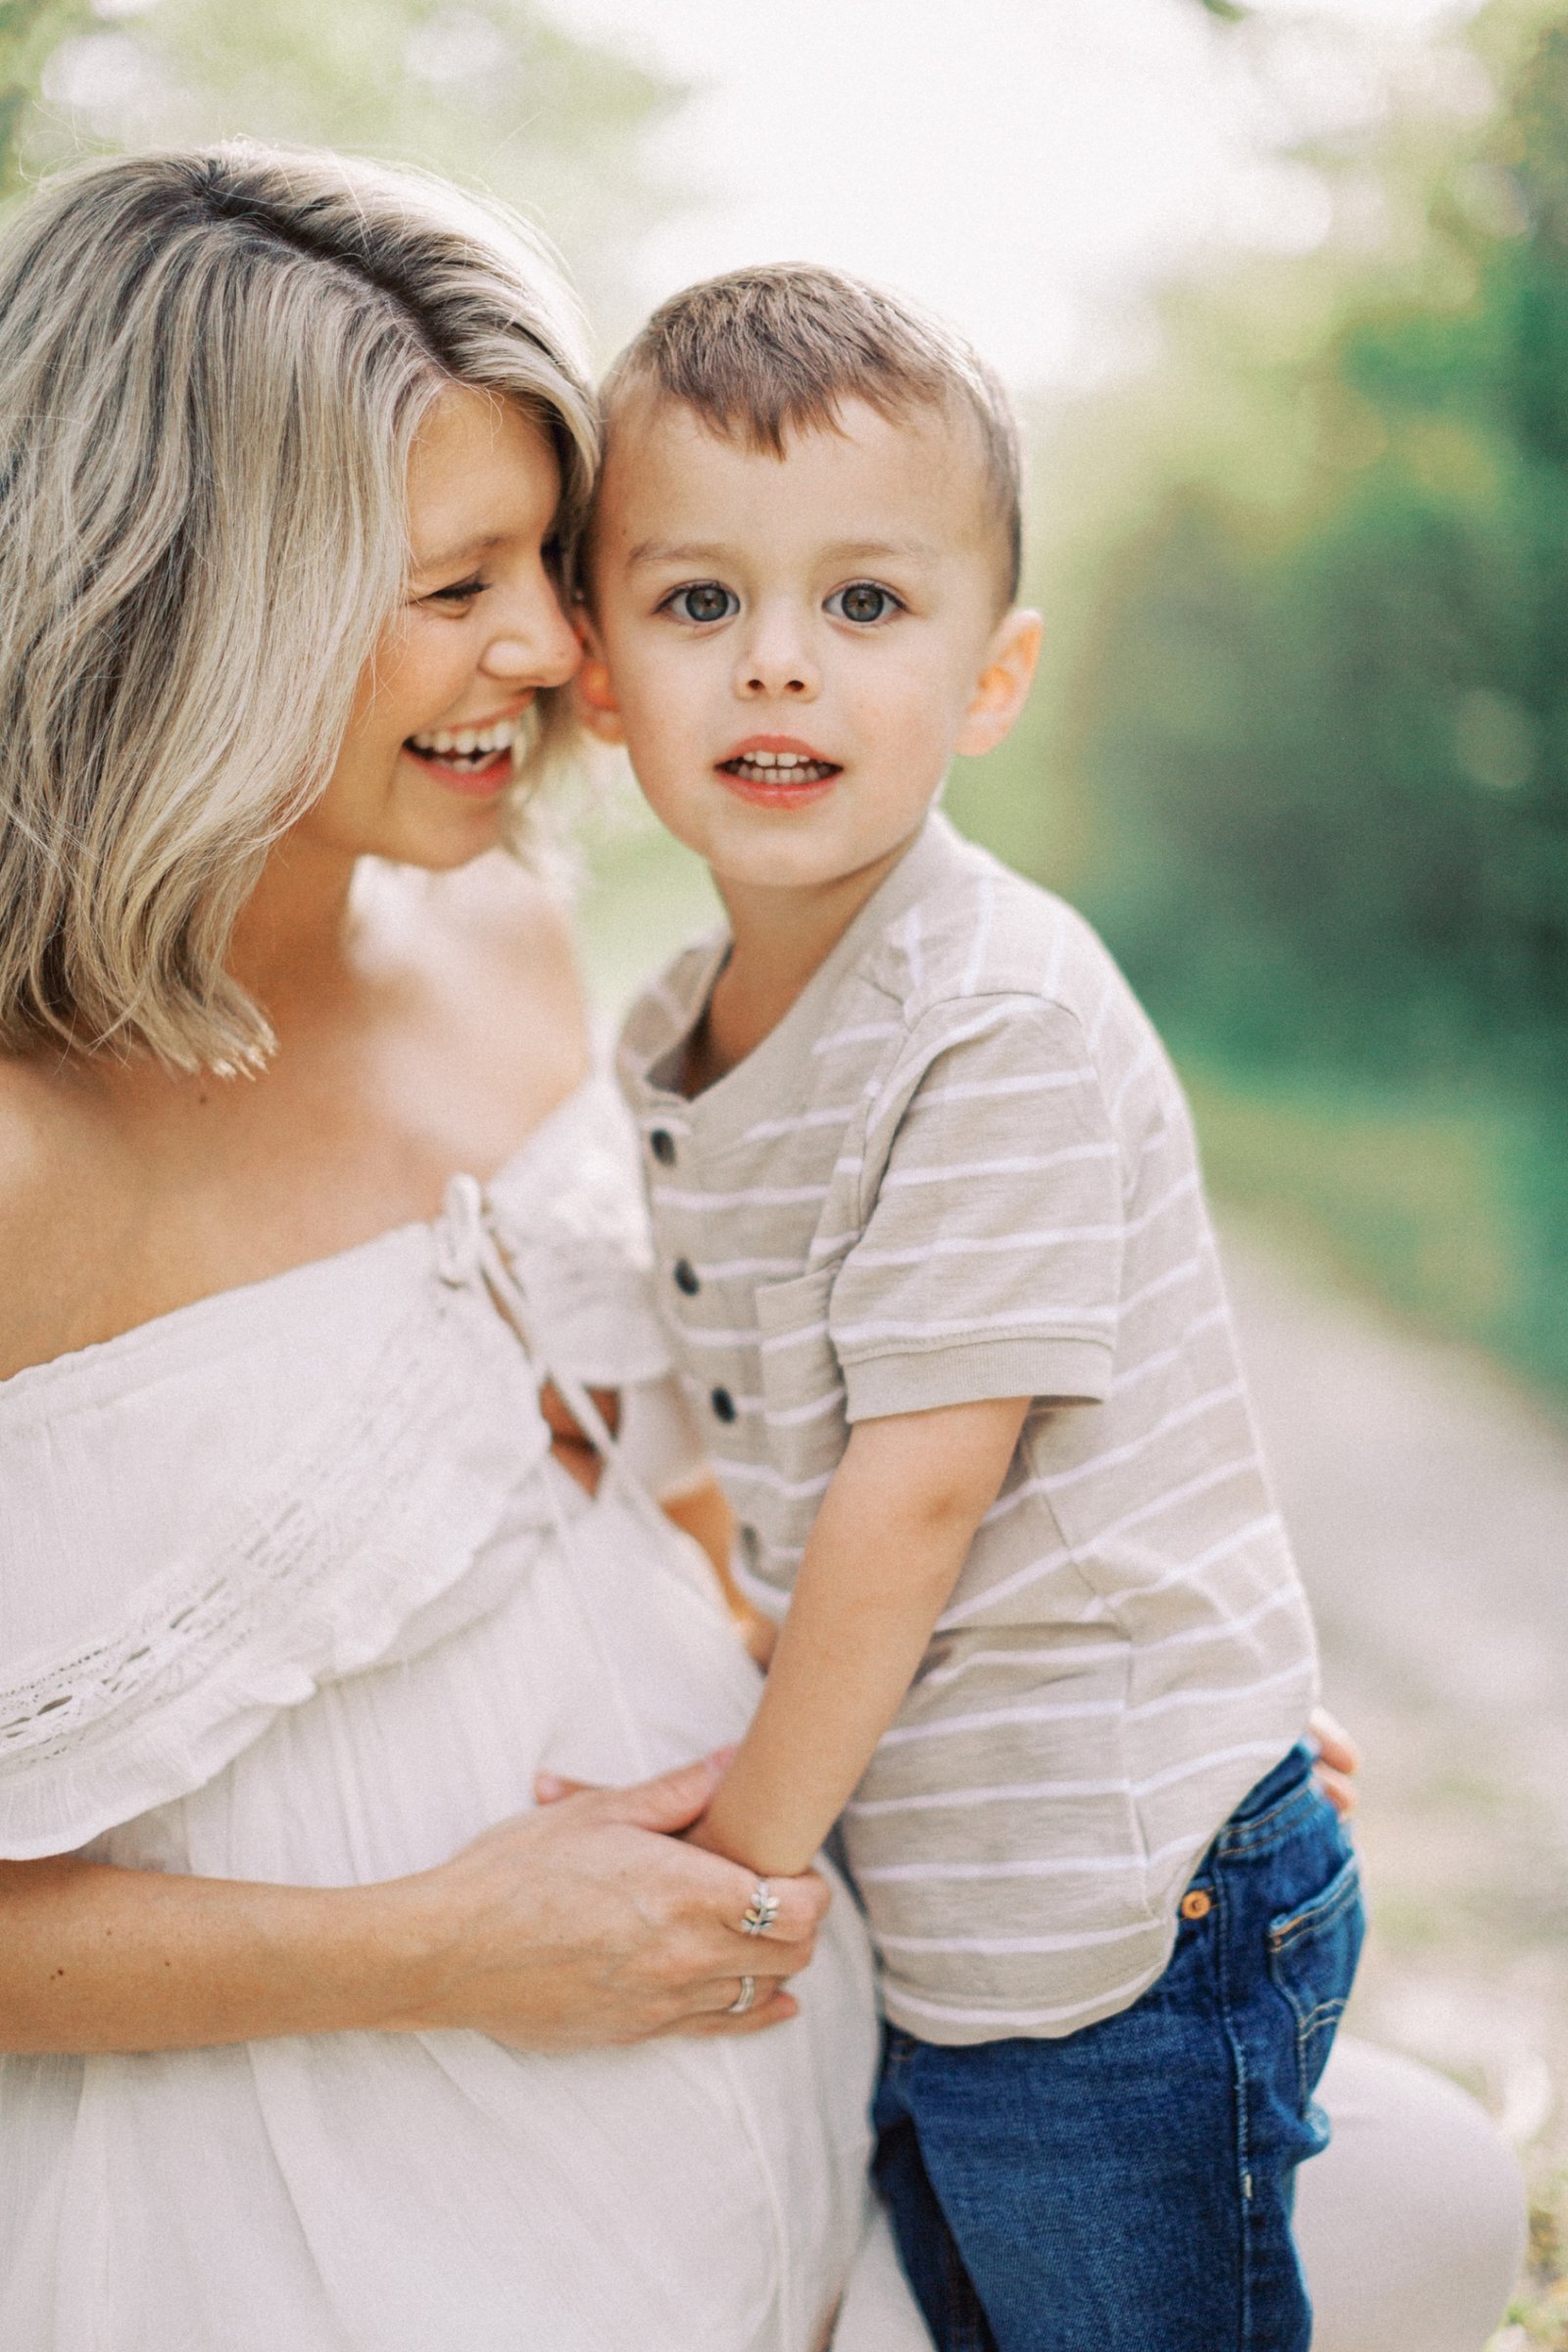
[[1195, 1904]]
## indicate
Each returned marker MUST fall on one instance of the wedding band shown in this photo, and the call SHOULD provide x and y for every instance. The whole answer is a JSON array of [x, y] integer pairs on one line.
[[744, 2000], [762, 1912]]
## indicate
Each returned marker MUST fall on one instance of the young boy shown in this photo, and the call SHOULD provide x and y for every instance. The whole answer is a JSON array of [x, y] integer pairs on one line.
[[932, 1238]]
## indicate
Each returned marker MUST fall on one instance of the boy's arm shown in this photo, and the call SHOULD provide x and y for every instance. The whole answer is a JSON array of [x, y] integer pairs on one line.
[[893, 1532]]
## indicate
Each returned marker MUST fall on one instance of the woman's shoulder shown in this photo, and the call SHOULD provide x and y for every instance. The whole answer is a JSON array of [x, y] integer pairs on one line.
[[60, 1207], [116, 1204]]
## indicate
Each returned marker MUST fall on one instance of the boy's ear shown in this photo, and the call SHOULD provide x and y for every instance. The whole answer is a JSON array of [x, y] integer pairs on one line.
[[596, 701], [1003, 683]]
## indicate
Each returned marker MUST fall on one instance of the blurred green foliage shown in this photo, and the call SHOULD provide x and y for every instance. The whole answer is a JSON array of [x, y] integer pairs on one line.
[[1301, 744], [490, 92], [1307, 732], [29, 30]]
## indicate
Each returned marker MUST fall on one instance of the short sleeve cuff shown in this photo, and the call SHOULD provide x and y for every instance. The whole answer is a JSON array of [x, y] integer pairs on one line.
[[919, 1381]]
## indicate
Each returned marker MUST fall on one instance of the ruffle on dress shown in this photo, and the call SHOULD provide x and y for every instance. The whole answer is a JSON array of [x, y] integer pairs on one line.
[[212, 1515]]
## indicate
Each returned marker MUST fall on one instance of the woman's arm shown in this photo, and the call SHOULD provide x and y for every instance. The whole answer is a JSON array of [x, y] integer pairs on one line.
[[585, 1923]]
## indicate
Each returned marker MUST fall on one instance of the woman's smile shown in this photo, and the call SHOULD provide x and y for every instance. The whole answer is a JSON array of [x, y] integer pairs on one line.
[[479, 635], [475, 759]]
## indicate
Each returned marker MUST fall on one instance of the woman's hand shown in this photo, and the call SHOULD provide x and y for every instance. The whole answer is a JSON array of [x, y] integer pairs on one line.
[[591, 1922], [586, 1922]]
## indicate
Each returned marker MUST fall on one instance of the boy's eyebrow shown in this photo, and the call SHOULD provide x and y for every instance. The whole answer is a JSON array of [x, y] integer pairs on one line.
[[842, 550], [846, 550], [664, 551]]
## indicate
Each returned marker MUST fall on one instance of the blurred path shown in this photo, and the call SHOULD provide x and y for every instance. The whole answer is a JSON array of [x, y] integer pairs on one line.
[[1428, 1497]]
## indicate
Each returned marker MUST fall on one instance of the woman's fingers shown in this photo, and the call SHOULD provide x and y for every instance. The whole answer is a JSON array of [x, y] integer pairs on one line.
[[671, 1802], [773, 2007], [549, 1787], [1338, 1757], [588, 1920], [668, 1803], [1334, 1746], [800, 1906], [730, 1990]]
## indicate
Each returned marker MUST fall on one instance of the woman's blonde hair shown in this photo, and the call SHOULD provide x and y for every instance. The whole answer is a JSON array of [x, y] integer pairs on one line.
[[213, 366]]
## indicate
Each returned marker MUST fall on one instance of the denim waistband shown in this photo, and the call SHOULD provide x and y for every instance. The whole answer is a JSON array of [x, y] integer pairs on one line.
[[1261, 1814]]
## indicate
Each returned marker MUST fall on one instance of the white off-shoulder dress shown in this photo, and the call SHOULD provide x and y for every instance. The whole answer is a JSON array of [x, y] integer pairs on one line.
[[292, 1590]]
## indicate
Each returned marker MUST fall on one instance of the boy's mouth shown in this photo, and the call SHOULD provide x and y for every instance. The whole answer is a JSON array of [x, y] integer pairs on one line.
[[777, 769]]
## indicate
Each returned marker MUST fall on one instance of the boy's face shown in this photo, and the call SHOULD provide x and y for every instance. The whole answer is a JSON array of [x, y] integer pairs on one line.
[[792, 649]]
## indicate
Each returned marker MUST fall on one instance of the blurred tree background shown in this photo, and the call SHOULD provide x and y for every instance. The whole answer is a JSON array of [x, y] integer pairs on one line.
[[1301, 744], [490, 92], [1302, 747]]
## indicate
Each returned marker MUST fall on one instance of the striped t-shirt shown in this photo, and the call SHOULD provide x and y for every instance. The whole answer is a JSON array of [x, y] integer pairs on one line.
[[961, 1167]]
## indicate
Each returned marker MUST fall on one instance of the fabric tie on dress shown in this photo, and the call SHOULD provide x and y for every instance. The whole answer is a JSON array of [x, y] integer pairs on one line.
[[460, 1234], [471, 1253]]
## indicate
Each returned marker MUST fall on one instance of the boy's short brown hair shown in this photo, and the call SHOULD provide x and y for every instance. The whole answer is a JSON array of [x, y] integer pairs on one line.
[[760, 353]]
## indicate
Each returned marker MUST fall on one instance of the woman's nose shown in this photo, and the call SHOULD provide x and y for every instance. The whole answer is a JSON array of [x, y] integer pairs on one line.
[[534, 644]]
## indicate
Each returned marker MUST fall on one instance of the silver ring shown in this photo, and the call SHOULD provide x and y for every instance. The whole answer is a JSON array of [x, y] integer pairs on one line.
[[745, 1999], [762, 1911]]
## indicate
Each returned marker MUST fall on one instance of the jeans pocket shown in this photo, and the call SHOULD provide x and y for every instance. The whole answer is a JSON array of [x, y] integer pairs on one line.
[[1312, 1952]]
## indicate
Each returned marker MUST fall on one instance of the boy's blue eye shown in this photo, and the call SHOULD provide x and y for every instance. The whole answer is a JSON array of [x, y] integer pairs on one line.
[[705, 601], [863, 601]]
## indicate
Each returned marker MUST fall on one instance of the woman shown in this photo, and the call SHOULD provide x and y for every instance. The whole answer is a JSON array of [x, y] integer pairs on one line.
[[311, 1215]]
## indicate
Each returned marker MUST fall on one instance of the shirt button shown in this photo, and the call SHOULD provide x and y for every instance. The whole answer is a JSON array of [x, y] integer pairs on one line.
[[685, 1274], [723, 1405], [1195, 1904], [662, 1144]]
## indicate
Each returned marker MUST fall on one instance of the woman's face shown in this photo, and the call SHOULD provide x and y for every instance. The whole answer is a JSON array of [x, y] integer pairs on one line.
[[428, 756]]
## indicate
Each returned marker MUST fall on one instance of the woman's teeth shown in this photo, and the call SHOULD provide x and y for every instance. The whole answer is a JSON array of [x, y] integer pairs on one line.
[[466, 746]]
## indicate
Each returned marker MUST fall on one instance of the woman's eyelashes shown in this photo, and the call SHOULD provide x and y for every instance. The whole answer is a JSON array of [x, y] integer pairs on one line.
[[457, 592], [703, 603]]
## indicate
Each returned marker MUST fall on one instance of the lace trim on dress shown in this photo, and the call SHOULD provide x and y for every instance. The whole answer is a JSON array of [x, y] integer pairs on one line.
[[307, 1577]]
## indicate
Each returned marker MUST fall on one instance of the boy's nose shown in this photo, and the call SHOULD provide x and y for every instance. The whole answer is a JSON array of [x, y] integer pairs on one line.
[[775, 664]]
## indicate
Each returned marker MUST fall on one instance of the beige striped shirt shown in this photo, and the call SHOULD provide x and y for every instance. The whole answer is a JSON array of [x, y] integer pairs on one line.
[[961, 1167]]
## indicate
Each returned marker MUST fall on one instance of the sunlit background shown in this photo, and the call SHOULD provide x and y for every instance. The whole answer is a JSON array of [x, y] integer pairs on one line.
[[1283, 292]]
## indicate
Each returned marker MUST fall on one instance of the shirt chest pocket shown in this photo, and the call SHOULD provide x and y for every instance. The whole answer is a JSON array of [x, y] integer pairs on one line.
[[803, 1390]]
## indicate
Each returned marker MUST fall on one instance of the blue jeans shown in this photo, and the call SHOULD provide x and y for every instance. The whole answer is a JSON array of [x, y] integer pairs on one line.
[[1128, 2187]]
